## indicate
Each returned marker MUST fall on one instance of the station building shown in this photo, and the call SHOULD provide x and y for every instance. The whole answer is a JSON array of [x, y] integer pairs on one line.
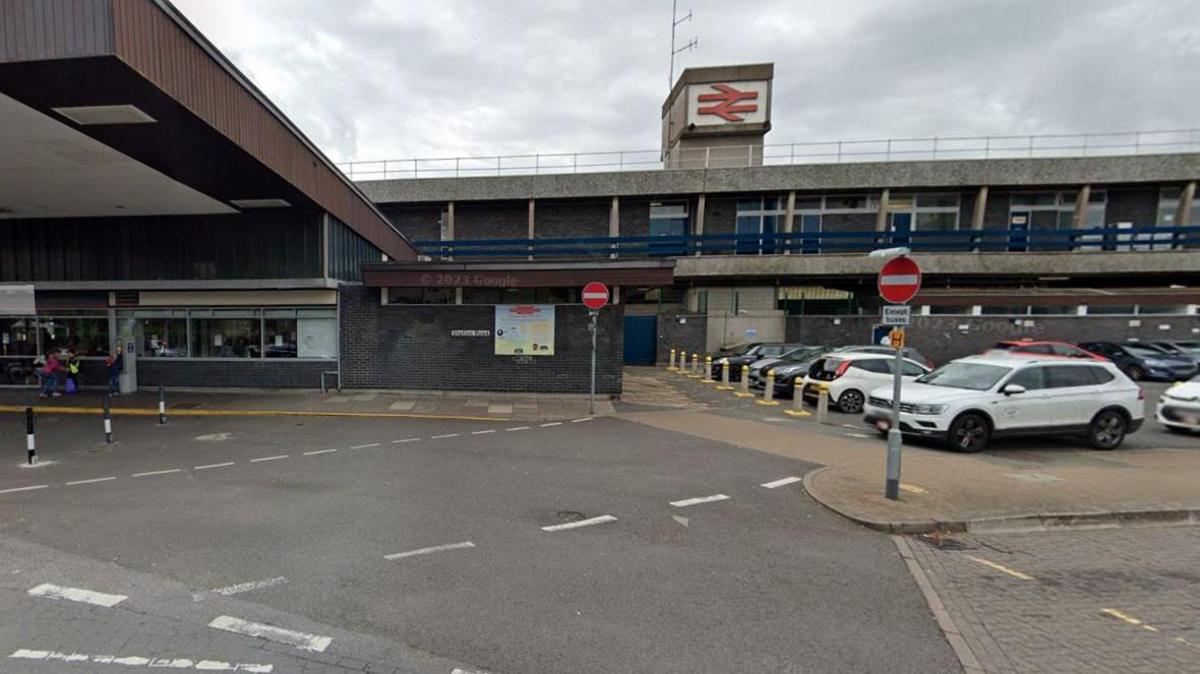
[[153, 200]]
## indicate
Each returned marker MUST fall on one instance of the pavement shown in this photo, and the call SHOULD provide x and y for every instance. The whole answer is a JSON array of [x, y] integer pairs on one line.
[[462, 405], [1015, 484]]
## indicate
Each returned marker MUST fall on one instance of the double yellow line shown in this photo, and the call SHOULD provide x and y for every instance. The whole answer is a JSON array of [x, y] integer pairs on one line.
[[153, 412]]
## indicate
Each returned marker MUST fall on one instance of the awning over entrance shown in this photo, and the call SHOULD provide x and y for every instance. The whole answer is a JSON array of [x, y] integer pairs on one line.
[[517, 274]]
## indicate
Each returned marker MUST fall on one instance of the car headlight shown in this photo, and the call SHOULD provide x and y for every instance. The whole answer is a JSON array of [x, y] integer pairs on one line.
[[928, 409]]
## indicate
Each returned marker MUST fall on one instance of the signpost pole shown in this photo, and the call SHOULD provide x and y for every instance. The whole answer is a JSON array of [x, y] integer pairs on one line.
[[899, 281], [892, 485], [592, 404]]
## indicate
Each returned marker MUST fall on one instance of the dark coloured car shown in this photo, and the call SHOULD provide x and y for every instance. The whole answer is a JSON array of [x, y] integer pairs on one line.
[[799, 356], [1181, 349], [758, 352], [1144, 361]]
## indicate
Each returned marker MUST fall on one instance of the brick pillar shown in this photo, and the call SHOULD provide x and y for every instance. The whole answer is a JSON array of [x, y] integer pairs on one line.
[[881, 217], [789, 217], [980, 208], [1183, 213], [614, 223], [699, 229], [530, 236], [1079, 219]]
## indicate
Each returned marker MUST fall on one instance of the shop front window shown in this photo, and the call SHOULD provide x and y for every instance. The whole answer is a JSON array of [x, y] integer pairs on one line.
[[280, 332], [85, 335], [163, 336], [226, 334], [17, 336]]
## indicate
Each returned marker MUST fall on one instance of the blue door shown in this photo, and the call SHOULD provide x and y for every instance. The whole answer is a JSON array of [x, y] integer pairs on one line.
[[641, 339], [901, 227], [1018, 230]]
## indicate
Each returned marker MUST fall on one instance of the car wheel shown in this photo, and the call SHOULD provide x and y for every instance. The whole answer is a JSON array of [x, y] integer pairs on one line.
[[850, 402], [969, 433], [1135, 373], [1107, 430]]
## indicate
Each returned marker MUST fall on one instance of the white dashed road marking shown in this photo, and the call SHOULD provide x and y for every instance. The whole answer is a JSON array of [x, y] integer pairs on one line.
[[366, 446], [396, 442], [94, 479], [575, 421], [552, 423], [16, 489], [269, 458], [214, 465], [301, 640], [246, 587], [157, 472], [856, 435], [77, 594], [581, 523], [319, 451], [699, 499], [439, 437], [780, 483], [518, 428], [483, 432], [140, 661], [426, 551]]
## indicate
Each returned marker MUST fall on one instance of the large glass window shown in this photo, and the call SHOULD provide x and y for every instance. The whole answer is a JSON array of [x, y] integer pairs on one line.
[[280, 336], [926, 211], [85, 335], [18, 336], [759, 218], [1056, 210], [163, 335], [1168, 207], [226, 333]]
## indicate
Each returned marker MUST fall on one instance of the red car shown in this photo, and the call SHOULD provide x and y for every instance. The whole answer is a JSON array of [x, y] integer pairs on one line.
[[1044, 348]]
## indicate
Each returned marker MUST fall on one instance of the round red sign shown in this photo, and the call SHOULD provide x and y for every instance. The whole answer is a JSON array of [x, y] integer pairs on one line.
[[899, 280], [595, 295]]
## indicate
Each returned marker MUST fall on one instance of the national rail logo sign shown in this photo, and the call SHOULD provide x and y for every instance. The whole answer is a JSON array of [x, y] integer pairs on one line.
[[727, 103]]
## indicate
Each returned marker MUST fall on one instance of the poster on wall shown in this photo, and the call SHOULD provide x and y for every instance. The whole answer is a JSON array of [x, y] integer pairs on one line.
[[524, 330]]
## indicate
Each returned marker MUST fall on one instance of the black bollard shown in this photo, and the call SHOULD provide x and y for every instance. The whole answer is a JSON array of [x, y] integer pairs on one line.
[[108, 419], [30, 442], [162, 405]]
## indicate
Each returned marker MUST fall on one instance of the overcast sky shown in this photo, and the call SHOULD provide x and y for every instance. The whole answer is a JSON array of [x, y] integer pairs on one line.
[[371, 79]]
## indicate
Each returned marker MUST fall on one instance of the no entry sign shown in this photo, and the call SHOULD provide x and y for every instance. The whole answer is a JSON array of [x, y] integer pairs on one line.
[[595, 295], [899, 280]]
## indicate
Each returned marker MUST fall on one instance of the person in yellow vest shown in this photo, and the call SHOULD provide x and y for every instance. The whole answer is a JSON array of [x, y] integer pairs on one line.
[[72, 372]]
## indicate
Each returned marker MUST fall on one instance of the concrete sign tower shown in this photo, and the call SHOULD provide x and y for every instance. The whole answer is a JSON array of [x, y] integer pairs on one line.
[[716, 117]]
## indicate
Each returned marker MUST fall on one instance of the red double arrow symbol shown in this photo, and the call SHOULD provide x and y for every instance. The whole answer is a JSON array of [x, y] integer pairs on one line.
[[728, 106]]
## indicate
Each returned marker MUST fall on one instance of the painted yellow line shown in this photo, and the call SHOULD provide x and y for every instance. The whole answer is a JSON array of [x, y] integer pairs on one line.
[[913, 489], [153, 412], [797, 413], [1001, 568], [766, 402], [744, 395], [724, 388]]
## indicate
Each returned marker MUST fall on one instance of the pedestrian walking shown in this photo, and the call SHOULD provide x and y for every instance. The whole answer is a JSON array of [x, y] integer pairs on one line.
[[48, 376], [115, 363]]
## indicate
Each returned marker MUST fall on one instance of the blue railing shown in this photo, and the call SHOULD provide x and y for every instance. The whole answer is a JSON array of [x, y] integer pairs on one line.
[[985, 240]]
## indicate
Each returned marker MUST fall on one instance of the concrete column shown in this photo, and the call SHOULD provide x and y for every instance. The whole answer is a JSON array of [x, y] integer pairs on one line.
[[530, 235], [448, 229], [699, 229], [980, 208], [1079, 220], [614, 223], [1183, 213], [789, 217], [881, 219]]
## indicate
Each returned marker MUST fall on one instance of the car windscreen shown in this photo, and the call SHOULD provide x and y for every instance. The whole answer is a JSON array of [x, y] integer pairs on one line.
[[973, 376], [801, 355], [1145, 351], [771, 350]]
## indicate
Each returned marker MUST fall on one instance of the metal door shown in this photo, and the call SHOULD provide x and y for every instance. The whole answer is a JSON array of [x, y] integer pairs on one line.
[[641, 339]]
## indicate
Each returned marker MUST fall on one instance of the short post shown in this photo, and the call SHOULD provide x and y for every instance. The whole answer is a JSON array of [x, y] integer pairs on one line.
[[725, 373], [822, 403], [162, 405], [671, 363], [695, 363], [30, 442], [708, 371], [745, 392], [682, 362], [891, 487], [768, 397], [797, 405], [107, 419]]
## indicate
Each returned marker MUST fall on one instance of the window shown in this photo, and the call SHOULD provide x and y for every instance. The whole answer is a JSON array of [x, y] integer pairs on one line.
[[1004, 310], [1067, 376], [227, 333], [280, 333], [1036, 348], [162, 334], [1099, 374], [420, 295], [316, 333], [856, 202], [911, 369], [1033, 378], [668, 218], [1110, 309], [877, 365], [759, 216], [932, 211], [86, 335], [1168, 206], [17, 336], [1053, 309], [1172, 309], [1056, 210]]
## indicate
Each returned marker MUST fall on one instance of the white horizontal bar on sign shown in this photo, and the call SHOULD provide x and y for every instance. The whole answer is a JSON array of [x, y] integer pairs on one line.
[[301, 640], [50, 591], [898, 280]]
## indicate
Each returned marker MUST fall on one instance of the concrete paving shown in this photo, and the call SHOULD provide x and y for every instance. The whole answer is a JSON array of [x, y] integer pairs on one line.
[[577, 560]]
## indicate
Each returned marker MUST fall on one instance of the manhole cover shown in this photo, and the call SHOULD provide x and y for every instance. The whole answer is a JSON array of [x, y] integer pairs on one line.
[[570, 515]]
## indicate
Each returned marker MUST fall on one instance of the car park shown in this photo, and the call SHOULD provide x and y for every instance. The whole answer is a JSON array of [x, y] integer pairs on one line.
[[801, 356], [968, 402], [1178, 408], [850, 375], [1144, 361], [1042, 348], [756, 353]]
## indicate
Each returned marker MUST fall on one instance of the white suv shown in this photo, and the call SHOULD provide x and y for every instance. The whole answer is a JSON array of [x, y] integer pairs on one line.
[[969, 401], [850, 375]]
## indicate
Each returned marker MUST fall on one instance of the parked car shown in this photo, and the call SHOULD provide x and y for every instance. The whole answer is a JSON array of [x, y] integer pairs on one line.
[[1178, 407], [1181, 349], [1143, 361], [850, 375], [1042, 347], [967, 402], [796, 357], [908, 352], [767, 349]]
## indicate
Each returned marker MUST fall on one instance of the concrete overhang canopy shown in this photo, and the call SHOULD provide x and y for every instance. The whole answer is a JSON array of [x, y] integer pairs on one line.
[[556, 274], [122, 107]]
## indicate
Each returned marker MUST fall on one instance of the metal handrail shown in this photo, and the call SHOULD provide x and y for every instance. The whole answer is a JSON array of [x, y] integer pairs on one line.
[[1171, 141]]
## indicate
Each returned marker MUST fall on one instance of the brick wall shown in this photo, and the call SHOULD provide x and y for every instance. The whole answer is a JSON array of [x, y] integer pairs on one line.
[[491, 220], [419, 222], [571, 219], [690, 335], [250, 373], [634, 217], [1139, 206], [941, 339], [410, 347], [720, 215]]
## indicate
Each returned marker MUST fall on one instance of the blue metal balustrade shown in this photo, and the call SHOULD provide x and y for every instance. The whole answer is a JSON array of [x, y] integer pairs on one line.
[[808, 243]]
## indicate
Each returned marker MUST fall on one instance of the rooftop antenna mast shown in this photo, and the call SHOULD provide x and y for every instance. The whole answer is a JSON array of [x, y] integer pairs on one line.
[[675, 21]]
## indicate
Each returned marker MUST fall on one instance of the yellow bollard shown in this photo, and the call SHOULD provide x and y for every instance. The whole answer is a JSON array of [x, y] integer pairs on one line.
[[671, 365], [745, 392], [725, 377], [695, 363], [822, 403], [769, 390], [709, 377], [797, 405]]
